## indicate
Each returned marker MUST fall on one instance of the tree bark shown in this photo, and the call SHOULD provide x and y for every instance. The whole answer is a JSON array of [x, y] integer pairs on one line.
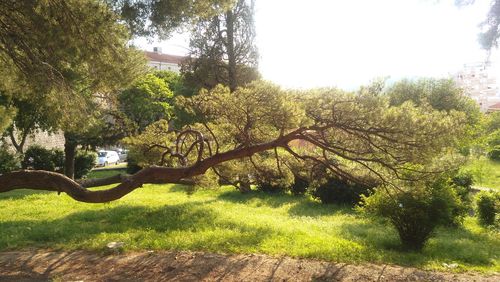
[[69, 155], [52, 181]]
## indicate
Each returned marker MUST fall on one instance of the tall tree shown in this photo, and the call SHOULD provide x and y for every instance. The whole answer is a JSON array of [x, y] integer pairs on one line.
[[488, 37], [222, 49], [491, 27], [146, 101], [72, 54]]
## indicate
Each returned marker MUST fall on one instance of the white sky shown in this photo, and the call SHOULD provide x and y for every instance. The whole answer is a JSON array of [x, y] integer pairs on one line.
[[347, 43]]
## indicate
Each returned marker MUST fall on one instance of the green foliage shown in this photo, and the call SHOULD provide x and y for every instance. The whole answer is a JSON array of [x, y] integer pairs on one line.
[[230, 57], [39, 158], [416, 211], [488, 208], [8, 161], [84, 163], [132, 164], [147, 101], [6, 116], [462, 183], [147, 148], [494, 154], [162, 17], [440, 94], [493, 139], [300, 185], [341, 192], [33, 113], [68, 48], [492, 122], [491, 27]]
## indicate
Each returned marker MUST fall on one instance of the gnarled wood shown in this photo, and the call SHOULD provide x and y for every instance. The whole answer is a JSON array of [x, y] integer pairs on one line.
[[51, 181]]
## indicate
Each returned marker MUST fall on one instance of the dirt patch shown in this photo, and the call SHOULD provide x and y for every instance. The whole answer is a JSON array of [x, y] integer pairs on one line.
[[196, 266]]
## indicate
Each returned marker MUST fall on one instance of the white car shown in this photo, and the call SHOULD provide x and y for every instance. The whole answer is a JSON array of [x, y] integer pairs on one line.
[[105, 158]]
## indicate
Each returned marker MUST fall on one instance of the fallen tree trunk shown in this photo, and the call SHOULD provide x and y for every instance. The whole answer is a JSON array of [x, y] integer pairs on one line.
[[52, 181]]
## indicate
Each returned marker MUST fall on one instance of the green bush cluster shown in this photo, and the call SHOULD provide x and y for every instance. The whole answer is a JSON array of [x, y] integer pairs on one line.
[[84, 163], [343, 192], [299, 186], [416, 211], [488, 208], [8, 161], [494, 154], [39, 158]]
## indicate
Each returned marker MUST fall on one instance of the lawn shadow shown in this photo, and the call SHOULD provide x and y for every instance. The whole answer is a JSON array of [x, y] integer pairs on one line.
[[451, 245], [311, 208], [21, 193], [300, 205], [81, 228], [274, 200]]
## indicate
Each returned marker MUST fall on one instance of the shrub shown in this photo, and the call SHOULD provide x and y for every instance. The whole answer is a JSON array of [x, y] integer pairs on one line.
[[299, 186], [132, 164], [84, 163], [8, 161], [416, 211], [58, 159], [488, 207], [37, 157], [462, 184], [494, 154], [336, 191]]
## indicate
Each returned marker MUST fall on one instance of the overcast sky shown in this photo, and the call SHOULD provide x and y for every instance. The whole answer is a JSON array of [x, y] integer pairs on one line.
[[347, 43]]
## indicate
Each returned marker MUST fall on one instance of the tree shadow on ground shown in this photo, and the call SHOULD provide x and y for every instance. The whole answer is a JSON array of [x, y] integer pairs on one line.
[[457, 245], [274, 200], [300, 205], [21, 193], [81, 228]]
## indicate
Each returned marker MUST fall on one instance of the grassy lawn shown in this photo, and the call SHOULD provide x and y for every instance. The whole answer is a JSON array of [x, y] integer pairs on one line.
[[486, 172], [102, 173], [224, 221]]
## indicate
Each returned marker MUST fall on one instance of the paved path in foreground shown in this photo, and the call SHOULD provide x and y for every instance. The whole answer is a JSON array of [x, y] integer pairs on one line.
[[43, 265]]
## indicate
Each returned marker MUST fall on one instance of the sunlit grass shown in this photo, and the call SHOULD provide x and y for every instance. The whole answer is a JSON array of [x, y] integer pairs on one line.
[[165, 217], [102, 173], [486, 172]]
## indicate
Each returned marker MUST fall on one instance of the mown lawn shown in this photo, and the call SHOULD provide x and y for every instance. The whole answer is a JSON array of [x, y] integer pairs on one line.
[[486, 172], [165, 217], [102, 173]]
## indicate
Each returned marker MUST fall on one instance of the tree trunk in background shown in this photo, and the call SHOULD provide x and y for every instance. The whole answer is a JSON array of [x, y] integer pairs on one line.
[[230, 51], [69, 155]]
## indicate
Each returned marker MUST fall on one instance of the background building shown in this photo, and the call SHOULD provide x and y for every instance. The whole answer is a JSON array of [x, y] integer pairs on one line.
[[479, 82], [160, 61]]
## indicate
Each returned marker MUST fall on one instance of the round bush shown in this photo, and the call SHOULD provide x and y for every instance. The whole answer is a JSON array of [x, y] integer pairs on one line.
[[494, 154], [39, 158], [84, 163], [270, 187], [8, 161], [488, 207], [416, 211], [336, 191], [299, 186]]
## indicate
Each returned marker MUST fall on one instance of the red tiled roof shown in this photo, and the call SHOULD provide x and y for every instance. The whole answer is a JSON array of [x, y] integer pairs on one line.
[[164, 58], [495, 107]]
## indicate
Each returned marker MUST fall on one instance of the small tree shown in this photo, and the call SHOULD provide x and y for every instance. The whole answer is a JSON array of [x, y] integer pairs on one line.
[[416, 211], [147, 101]]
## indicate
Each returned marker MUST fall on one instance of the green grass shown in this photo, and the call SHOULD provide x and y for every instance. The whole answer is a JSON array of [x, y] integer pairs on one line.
[[486, 172], [102, 173], [159, 217]]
